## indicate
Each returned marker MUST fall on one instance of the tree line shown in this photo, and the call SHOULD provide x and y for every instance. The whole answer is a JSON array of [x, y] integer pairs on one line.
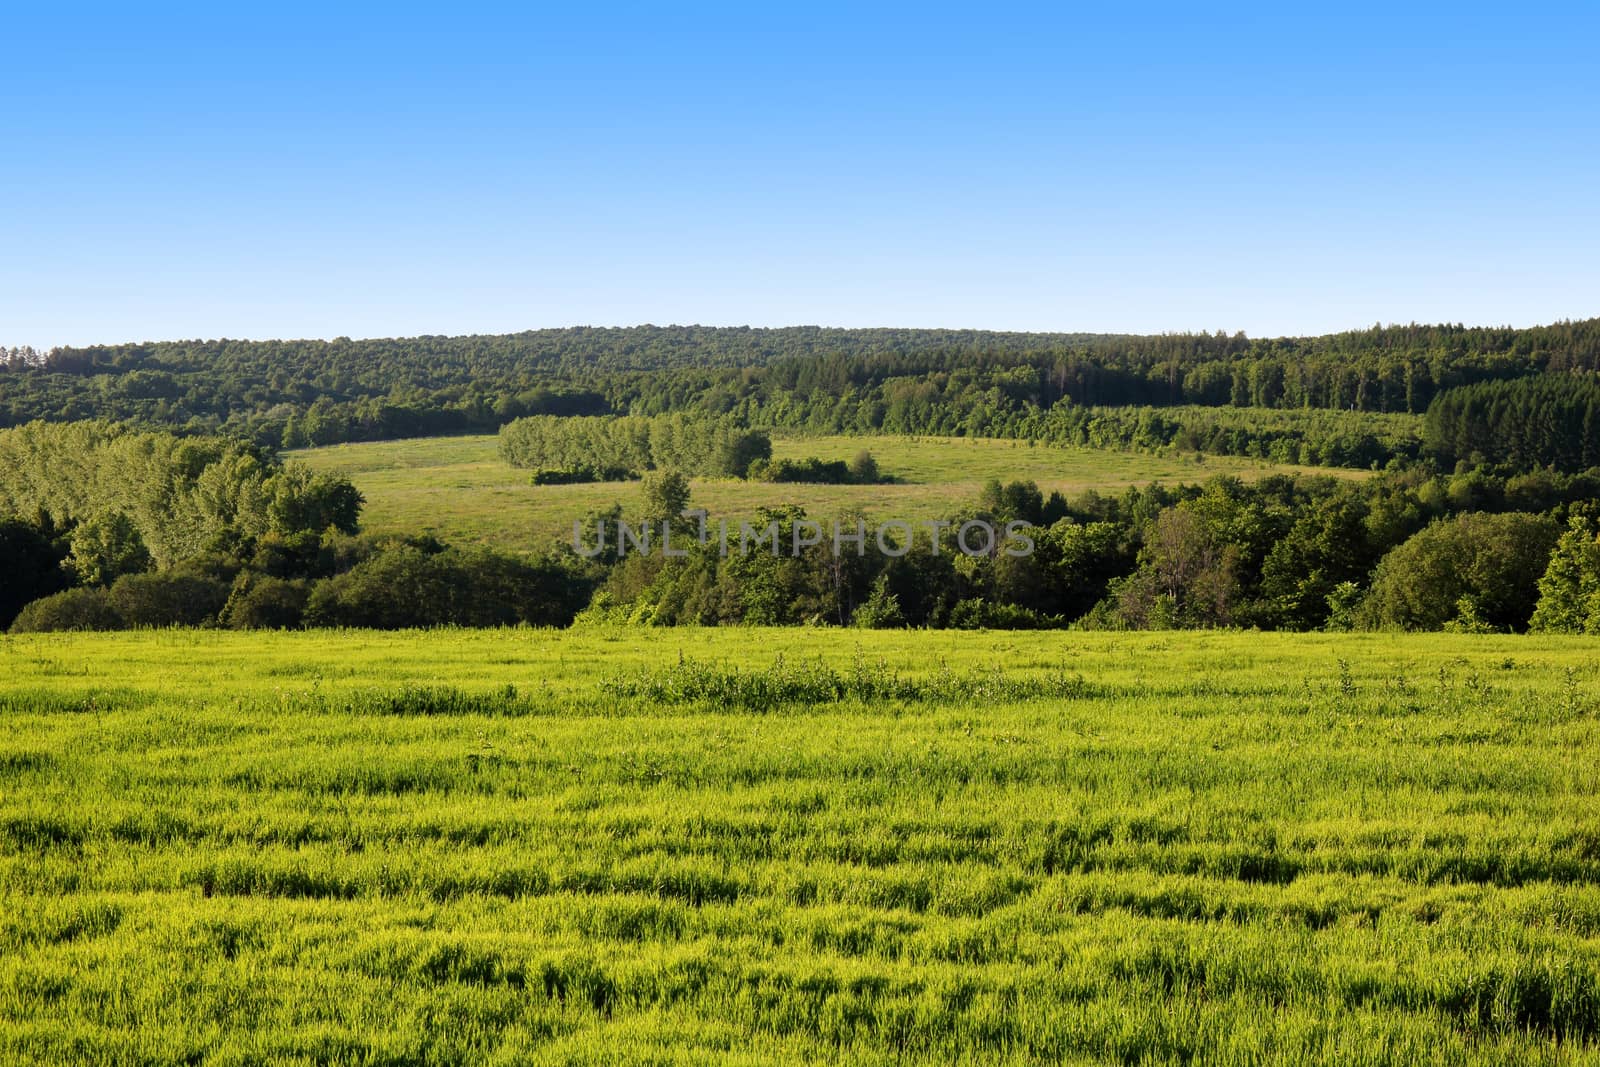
[[294, 393], [1403, 550], [610, 448]]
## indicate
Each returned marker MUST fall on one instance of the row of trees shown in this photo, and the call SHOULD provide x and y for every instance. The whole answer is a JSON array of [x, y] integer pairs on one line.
[[326, 580], [613, 447]]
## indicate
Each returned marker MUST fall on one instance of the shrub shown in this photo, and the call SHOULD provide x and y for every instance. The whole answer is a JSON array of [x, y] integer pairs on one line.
[[74, 609], [393, 590], [167, 599], [978, 614], [262, 602]]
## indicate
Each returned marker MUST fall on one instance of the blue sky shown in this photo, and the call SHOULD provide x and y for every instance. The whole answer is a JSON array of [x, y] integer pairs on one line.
[[294, 171]]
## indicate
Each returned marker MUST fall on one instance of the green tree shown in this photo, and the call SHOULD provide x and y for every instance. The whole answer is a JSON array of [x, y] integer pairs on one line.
[[1188, 576], [106, 547], [1569, 590], [1325, 548], [30, 566], [1492, 560], [665, 496]]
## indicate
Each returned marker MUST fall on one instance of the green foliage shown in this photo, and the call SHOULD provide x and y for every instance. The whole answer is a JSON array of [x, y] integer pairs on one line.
[[106, 547], [183, 495], [71, 609], [1492, 561], [1550, 421], [1569, 590]]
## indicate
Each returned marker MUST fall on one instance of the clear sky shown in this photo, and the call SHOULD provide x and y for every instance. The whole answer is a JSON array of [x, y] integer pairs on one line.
[[277, 170]]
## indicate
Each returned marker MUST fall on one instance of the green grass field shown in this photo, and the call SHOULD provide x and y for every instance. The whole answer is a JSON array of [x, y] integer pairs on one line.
[[668, 847], [458, 489]]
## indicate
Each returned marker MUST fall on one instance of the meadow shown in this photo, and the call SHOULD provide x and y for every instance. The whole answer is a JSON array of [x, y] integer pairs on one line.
[[733, 846], [458, 488]]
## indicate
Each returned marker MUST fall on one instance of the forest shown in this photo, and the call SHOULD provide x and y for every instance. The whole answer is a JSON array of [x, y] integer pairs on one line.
[[295, 393]]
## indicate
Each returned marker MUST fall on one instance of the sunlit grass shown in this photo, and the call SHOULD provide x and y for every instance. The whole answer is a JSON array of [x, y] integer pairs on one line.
[[458, 488], [750, 846]]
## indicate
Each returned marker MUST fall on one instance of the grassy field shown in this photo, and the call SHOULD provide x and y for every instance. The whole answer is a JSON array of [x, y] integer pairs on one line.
[[458, 489], [672, 847]]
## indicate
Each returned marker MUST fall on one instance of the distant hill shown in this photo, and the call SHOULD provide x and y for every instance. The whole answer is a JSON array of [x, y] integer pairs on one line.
[[828, 380]]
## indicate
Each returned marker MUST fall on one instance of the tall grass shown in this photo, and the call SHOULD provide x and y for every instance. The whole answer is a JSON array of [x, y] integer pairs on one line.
[[679, 847]]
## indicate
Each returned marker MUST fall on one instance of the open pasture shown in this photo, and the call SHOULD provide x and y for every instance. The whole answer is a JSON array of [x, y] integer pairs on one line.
[[459, 489]]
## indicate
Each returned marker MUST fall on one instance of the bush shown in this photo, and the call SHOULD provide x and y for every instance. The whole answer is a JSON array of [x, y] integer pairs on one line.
[[810, 469], [405, 587], [167, 599], [262, 602], [578, 475], [393, 590], [977, 614], [75, 609]]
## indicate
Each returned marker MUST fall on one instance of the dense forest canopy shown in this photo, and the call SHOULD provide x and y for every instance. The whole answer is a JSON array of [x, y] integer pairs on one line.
[[291, 393], [1550, 421]]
